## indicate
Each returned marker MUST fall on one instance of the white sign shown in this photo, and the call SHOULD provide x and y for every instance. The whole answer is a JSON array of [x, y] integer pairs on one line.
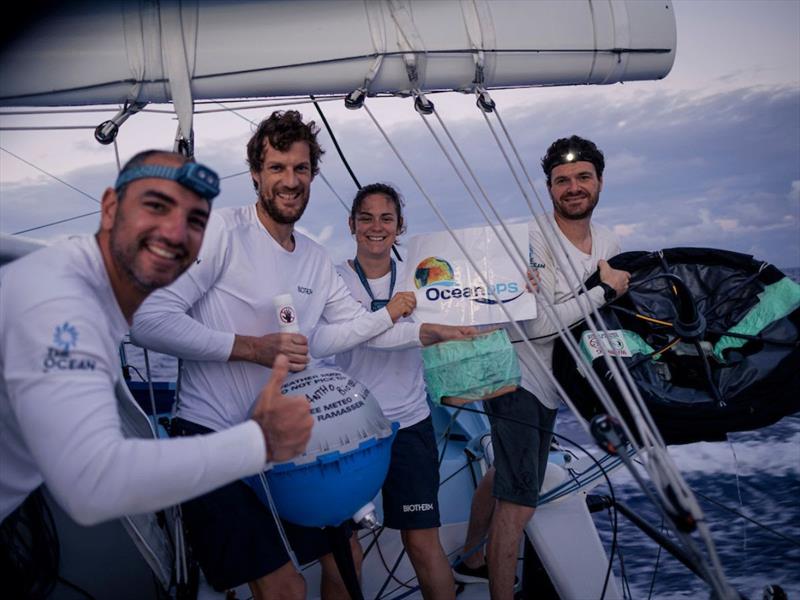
[[450, 291]]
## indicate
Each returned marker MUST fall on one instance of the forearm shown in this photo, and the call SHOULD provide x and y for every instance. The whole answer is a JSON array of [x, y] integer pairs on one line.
[[244, 348], [401, 336], [97, 474], [180, 335], [328, 339], [140, 476]]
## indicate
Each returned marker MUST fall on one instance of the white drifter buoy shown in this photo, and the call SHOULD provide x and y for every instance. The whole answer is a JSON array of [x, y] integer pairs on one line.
[[347, 457]]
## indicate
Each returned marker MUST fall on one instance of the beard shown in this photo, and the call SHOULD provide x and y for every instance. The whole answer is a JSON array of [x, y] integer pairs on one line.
[[284, 217], [577, 212], [127, 257]]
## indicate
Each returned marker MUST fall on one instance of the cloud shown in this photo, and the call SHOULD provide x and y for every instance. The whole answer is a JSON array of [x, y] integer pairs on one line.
[[717, 169], [624, 230], [794, 191]]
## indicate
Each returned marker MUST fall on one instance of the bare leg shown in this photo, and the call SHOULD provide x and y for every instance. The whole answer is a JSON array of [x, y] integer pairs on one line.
[[283, 584], [332, 586], [480, 516], [430, 563], [505, 534]]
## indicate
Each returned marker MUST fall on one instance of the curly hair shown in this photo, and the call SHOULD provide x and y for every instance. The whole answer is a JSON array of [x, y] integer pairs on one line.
[[383, 189], [282, 129], [572, 149]]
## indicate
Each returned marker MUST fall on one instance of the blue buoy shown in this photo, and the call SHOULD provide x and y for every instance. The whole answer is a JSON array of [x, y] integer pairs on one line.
[[347, 457]]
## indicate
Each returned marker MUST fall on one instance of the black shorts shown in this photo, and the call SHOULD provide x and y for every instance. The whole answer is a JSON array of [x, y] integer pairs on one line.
[[520, 451], [411, 489], [233, 534]]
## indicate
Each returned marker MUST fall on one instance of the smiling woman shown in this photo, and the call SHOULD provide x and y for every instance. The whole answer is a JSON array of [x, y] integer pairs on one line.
[[395, 379]]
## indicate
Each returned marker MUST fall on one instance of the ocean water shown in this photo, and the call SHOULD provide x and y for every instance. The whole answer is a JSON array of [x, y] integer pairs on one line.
[[755, 474]]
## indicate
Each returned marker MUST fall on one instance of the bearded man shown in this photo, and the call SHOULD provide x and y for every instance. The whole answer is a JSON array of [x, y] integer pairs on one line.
[[220, 318], [507, 496]]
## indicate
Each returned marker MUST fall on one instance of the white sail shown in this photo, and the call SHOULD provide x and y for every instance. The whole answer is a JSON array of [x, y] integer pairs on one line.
[[110, 52]]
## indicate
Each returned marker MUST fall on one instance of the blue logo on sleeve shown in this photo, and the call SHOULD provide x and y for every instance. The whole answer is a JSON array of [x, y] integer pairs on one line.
[[65, 339]]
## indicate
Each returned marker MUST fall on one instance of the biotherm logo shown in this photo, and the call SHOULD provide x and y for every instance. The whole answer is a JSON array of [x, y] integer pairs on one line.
[[435, 274]]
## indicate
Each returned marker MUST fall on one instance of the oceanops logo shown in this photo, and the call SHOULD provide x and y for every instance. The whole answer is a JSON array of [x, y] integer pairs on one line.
[[433, 270], [437, 276]]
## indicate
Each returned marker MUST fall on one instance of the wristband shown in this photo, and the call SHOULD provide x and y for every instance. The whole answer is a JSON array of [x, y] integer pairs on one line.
[[609, 293]]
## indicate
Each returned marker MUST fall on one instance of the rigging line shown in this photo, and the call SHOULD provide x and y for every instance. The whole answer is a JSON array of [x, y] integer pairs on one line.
[[47, 128], [299, 99], [335, 142], [391, 572], [21, 231], [52, 111], [255, 106], [269, 105], [655, 568], [30, 164], [333, 191], [116, 155], [791, 540], [345, 162], [234, 175]]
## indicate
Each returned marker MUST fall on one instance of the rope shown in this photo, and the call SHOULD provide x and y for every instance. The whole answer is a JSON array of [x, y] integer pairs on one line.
[[69, 185]]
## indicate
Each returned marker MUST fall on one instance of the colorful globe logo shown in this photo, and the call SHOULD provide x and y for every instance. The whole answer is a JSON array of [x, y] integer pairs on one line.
[[433, 270]]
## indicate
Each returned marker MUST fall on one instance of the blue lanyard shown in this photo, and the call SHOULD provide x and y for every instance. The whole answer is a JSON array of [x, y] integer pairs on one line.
[[376, 304]]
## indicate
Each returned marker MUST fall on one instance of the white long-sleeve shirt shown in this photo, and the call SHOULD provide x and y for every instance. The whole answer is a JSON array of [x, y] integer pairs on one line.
[[394, 377], [60, 328], [559, 288], [230, 291]]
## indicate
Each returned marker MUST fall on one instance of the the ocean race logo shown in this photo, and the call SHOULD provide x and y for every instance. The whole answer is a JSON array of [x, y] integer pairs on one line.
[[59, 355], [436, 276], [65, 337]]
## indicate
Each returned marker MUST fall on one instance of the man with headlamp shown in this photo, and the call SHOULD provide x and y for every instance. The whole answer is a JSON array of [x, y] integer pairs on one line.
[[507, 496], [63, 312]]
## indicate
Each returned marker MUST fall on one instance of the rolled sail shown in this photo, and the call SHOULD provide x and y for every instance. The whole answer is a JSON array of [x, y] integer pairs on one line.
[[113, 51]]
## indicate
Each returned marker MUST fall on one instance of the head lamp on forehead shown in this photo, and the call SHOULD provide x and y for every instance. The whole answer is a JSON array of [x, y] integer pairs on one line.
[[193, 176], [570, 156]]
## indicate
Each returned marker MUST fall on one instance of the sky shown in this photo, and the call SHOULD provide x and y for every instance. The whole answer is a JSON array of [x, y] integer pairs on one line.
[[708, 156]]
